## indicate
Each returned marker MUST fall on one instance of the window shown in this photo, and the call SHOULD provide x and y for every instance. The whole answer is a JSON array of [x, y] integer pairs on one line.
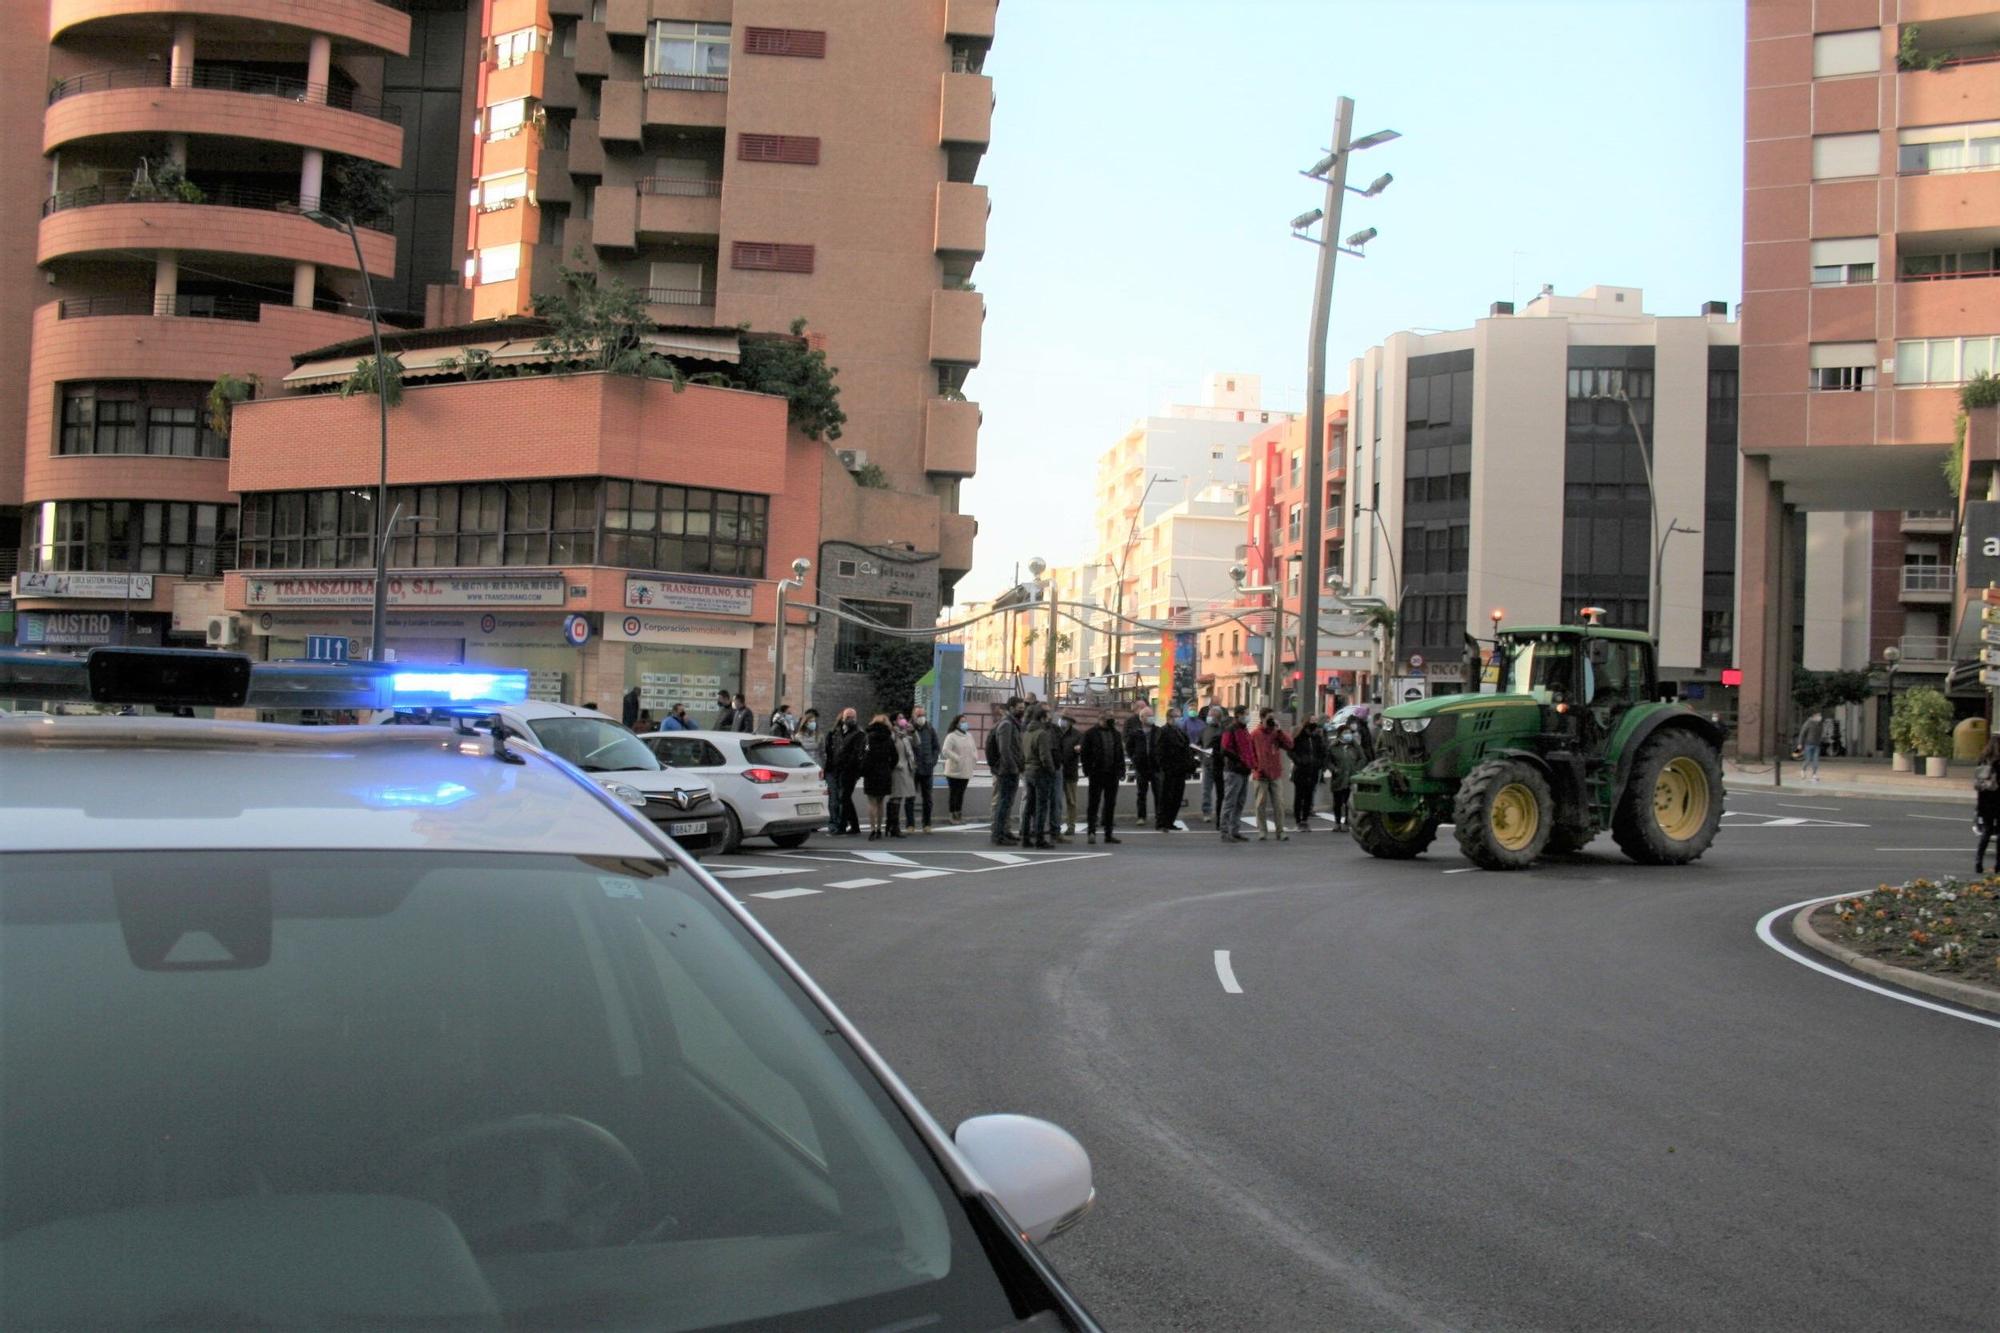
[[857, 642], [797, 149], [694, 56], [1948, 148], [1847, 260], [771, 256], [805, 42], [1292, 522], [512, 48], [531, 523], [499, 263], [159, 537], [1958, 264], [164, 418], [503, 120], [501, 191], [1297, 457], [1921, 361], [1838, 53], [1215, 455], [1834, 378], [684, 528], [1835, 156]]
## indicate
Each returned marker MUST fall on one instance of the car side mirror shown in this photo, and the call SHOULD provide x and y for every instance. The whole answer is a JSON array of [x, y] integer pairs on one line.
[[1038, 1171]]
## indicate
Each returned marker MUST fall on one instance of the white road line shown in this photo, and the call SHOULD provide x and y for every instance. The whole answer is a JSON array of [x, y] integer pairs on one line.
[[922, 874], [1004, 858], [1462, 870], [886, 858], [1958, 848], [1225, 973], [1954, 819], [856, 883], [786, 893], [1765, 934], [753, 872], [1794, 805]]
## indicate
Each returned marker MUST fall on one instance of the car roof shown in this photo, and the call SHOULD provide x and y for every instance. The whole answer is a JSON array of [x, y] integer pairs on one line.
[[739, 737], [535, 709], [1581, 631], [137, 784]]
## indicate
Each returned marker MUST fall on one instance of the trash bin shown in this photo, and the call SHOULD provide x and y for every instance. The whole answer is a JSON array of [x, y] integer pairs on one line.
[[1968, 738]]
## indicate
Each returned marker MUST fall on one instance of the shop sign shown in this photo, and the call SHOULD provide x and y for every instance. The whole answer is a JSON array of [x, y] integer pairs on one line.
[[576, 630], [1982, 543], [682, 592], [639, 628], [85, 629], [405, 589], [495, 626], [48, 584]]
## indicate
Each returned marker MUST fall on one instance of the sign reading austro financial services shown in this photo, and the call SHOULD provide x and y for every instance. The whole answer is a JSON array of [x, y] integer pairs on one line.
[[685, 592], [405, 589]]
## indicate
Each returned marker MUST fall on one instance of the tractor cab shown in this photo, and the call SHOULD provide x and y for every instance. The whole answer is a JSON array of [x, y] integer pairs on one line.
[[1589, 672]]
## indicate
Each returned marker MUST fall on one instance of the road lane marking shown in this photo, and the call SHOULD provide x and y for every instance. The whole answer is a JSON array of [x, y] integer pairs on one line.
[[856, 883], [1004, 858], [1956, 848], [754, 872], [1225, 973], [886, 858], [922, 874], [1462, 870], [1794, 805], [786, 893], [1765, 934], [1955, 819]]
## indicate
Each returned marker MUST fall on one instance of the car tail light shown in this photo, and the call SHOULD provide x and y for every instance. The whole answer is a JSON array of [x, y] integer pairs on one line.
[[764, 775]]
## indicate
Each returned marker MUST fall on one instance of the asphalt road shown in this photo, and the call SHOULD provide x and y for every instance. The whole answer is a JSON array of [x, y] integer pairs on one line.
[[1585, 1096]]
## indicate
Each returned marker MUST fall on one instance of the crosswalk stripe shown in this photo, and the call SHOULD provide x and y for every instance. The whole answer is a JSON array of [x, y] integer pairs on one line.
[[785, 893], [856, 883], [886, 858], [1005, 858], [754, 872], [920, 874]]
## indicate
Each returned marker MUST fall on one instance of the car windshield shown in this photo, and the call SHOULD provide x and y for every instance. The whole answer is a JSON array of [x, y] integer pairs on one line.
[[425, 1089], [777, 754], [1541, 667], [593, 744]]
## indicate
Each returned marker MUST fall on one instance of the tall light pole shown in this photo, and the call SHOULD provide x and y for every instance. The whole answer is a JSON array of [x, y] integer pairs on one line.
[[1395, 593], [1118, 596], [378, 616], [1658, 545], [1331, 169], [1047, 587], [798, 580]]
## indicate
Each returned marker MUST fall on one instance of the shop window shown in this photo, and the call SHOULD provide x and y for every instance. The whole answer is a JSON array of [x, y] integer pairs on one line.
[[857, 642]]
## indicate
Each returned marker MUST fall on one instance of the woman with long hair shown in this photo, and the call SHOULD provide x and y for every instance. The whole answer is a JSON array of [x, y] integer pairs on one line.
[[959, 759], [878, 772]]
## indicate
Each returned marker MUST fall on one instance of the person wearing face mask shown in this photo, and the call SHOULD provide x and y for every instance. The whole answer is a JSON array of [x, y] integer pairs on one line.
[[1041, 770], [1343, 760], [1069, 745], [846, 749], [924, 749], [1139, 749], [1103, 765], [1003, 759], [960, 760], [1174, 763], [1213, 770]]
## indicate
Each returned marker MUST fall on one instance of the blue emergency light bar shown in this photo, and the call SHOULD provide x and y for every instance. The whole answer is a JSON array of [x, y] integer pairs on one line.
[[173, 677]]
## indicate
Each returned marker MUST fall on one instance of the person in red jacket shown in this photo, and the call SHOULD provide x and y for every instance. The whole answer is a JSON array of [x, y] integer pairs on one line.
[[1268, 744]]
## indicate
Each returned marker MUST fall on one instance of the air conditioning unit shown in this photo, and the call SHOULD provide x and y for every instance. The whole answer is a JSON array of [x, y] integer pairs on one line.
[[223, 631], [853, 459]]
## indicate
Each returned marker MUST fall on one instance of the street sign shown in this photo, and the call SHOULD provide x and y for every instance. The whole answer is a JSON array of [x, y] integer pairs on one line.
[[1416, 661], [1991, 596], [1990, 677], [1990, 656], [1990, 633], [326, 647], [1990, 615]]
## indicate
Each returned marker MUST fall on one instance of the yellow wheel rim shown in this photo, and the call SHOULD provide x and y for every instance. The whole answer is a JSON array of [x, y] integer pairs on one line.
[[1515, 816], [1680, 799], [1402, 827]]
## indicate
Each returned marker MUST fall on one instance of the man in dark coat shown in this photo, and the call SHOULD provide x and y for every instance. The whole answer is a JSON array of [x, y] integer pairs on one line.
[[924, 749], [1139, 749], [1308, 762], [725, 711], [846, 746], [1103, 764], [1003, 760], [630, 710], [1173, 764]]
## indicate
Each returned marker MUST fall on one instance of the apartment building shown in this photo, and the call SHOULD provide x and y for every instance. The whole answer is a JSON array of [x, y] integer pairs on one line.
[[184, 149], [757, 163], [1871, 293], [1498, 468], [1160, 462]]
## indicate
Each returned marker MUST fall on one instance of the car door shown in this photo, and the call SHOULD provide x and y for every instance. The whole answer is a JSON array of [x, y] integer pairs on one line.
[[699, 756]]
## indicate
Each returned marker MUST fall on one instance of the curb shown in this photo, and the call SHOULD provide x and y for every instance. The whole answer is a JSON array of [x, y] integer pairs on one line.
[[1942, 988], [1741, 782]]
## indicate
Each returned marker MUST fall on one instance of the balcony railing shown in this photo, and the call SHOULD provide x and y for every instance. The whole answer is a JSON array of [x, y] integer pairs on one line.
[[183, 307], [688, 83], [678, 296], [124, 190], [1945, 277], [230, 81], [678, 185], [1925, 648], [1929, 578]]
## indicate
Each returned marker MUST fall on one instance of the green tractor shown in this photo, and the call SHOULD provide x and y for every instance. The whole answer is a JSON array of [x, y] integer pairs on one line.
[[1575, 742]]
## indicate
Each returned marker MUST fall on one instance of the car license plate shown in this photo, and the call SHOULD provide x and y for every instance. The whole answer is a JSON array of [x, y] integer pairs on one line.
[[687, 828], [813, 808]]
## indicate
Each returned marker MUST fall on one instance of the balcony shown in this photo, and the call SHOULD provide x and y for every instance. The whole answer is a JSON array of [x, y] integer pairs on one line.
[[1924, 649], [1961, 305], [222, 103], [1929, 583], [1947, 201], [965, 122], [955, 537], [1932, 521], [586, 149], [671, 207], [620, 109], [961, 225], [181, 307], [679, 305], [951, 437], [686, 99], [94, 219], [382, 25], [957, 320], [506, 222], [626, 18], [513, 149], [970, 18], [552, 178], [593, 50], [559, 86], [1968, 89]]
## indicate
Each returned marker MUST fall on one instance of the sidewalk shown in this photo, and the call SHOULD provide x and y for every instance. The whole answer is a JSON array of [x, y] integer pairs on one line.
[[1856, 777]]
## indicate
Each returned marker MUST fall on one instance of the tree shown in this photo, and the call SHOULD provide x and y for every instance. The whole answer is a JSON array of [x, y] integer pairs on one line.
[[359, 190], [1815, 690], [894, 668], [1921, 723], [795, 370], [223, 396], [600, 324]]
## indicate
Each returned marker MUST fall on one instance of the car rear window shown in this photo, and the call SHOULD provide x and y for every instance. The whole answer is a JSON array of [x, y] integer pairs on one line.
[[778, 754]]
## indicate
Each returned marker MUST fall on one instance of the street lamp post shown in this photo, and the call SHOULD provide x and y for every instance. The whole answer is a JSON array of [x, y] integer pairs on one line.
[[1395, 596], [1332, 170], [797, 580], [1047, 588], [1118, 598], [378, 613], [1894, 657]]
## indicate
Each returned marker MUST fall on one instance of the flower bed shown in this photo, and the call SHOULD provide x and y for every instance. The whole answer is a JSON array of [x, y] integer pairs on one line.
[[1948, 928]]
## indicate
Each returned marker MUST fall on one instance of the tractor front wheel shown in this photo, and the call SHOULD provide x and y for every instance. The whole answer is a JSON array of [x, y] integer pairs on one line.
[[1393, 837], [1672, 803], [1503, 815]]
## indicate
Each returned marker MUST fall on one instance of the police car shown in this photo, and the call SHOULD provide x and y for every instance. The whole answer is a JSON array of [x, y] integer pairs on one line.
[[418, 1027]]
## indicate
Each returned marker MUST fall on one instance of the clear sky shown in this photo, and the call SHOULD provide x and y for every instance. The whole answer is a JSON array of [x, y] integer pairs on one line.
[[1143, 169]]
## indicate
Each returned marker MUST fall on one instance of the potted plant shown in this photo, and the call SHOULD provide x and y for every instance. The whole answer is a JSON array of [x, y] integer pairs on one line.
[[1921, 725]]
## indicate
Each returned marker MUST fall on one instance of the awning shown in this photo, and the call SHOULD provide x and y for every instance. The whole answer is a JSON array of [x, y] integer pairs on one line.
[[429, 362]]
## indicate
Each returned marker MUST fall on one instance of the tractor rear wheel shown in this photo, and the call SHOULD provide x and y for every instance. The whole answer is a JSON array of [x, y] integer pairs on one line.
[[1392, 837], [1503, 814], [1672, 803]]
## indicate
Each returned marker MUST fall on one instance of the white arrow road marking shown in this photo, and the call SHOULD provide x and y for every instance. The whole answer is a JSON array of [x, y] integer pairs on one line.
[[1737, 820], [856, 883], [1225, 973], [922, 874], [785, 893]]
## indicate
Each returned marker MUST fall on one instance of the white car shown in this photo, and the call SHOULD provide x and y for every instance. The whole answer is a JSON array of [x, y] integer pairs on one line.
[[420, 1028], [682, 804], [769, 786]]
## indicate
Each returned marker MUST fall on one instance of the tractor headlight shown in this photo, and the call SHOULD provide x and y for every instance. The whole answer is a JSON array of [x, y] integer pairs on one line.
[[1413, 725]]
